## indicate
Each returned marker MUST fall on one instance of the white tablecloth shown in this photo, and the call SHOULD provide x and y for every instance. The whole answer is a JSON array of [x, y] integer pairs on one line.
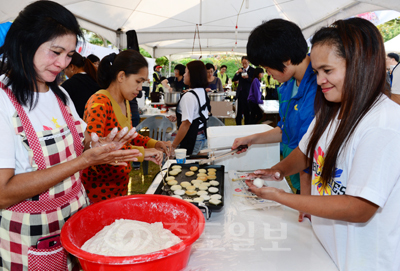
[[263, 239], [270, 106]]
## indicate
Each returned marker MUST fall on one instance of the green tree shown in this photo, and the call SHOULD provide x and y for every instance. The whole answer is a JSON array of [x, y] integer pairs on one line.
[[144, 53], [390, 29]]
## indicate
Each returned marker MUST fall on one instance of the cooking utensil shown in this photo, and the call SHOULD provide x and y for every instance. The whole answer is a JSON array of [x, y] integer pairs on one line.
[[212, 159], [181, 177], [216, 97], [171, 98], [214, 149]]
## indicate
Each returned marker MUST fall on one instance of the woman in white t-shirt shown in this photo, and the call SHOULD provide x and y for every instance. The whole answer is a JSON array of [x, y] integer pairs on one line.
[[42, 140], [353, 149], [192, 110]]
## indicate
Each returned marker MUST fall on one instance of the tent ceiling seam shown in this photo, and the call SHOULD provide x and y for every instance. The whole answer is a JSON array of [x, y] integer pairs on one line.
[[250, 11], [127, 19], [331, 15]]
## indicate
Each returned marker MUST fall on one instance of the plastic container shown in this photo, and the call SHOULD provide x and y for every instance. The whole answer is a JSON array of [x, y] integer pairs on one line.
[[182, 218], [180, 155], [256, 157]]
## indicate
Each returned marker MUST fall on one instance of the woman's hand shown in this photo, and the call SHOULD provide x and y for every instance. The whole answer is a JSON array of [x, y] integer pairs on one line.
[[165, 85], [172, 118], [269, 193], [241, 141], [119, 138], [267, 174], [164, 146], [303, 215], [208, 89], [153, 155], [109, 154]]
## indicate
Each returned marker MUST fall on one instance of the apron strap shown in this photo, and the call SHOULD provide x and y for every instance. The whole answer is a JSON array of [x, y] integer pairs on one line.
[[33, 140], [71, 125]]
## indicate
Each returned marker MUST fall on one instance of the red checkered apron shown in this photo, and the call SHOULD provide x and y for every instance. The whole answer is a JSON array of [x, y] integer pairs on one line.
[[23, 224]]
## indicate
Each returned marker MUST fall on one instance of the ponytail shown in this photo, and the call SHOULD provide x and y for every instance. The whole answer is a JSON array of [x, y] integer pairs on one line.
[[105, 73], [128, 61], [90, 69]]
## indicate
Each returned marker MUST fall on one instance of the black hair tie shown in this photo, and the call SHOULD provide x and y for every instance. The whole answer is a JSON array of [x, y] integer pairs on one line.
[[111, 58]]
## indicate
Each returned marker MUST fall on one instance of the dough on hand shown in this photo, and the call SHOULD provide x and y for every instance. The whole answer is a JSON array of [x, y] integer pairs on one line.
[[258, 182]]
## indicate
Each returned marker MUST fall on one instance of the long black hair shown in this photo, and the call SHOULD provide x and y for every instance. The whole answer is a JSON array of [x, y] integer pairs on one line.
[[256, 73], [198, 74], [360, 44], [36, 24], [129, 61]]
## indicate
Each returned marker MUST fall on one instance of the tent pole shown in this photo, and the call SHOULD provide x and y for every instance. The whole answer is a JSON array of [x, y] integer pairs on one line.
[[201, 9], [169, 62]]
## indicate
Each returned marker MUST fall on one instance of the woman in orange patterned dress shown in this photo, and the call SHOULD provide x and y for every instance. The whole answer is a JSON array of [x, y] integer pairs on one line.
[[120, 77]]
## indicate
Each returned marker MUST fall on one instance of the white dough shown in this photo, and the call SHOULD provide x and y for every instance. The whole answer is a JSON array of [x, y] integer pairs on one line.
[[258, 182], [205, 197], [127, 237], [197, 181], [201, 193], [213, 190], [216, 196], [176, 187], [179, 192], [215, 201], [214, 183], [190, 188], [198, 199], [185, 184], [203, 187], [172, 182]]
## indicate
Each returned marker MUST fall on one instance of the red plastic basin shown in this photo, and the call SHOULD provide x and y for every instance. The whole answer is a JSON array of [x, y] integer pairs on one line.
[[182, 218]]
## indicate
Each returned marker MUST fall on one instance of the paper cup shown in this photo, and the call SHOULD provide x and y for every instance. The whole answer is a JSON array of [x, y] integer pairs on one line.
[[180, 155]]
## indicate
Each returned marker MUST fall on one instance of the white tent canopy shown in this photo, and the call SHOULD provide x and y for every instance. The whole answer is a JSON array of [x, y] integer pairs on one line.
[[167, 27], [393, 45]]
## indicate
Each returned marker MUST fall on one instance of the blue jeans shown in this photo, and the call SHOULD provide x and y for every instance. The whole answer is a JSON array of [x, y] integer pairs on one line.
[[201, 143]]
